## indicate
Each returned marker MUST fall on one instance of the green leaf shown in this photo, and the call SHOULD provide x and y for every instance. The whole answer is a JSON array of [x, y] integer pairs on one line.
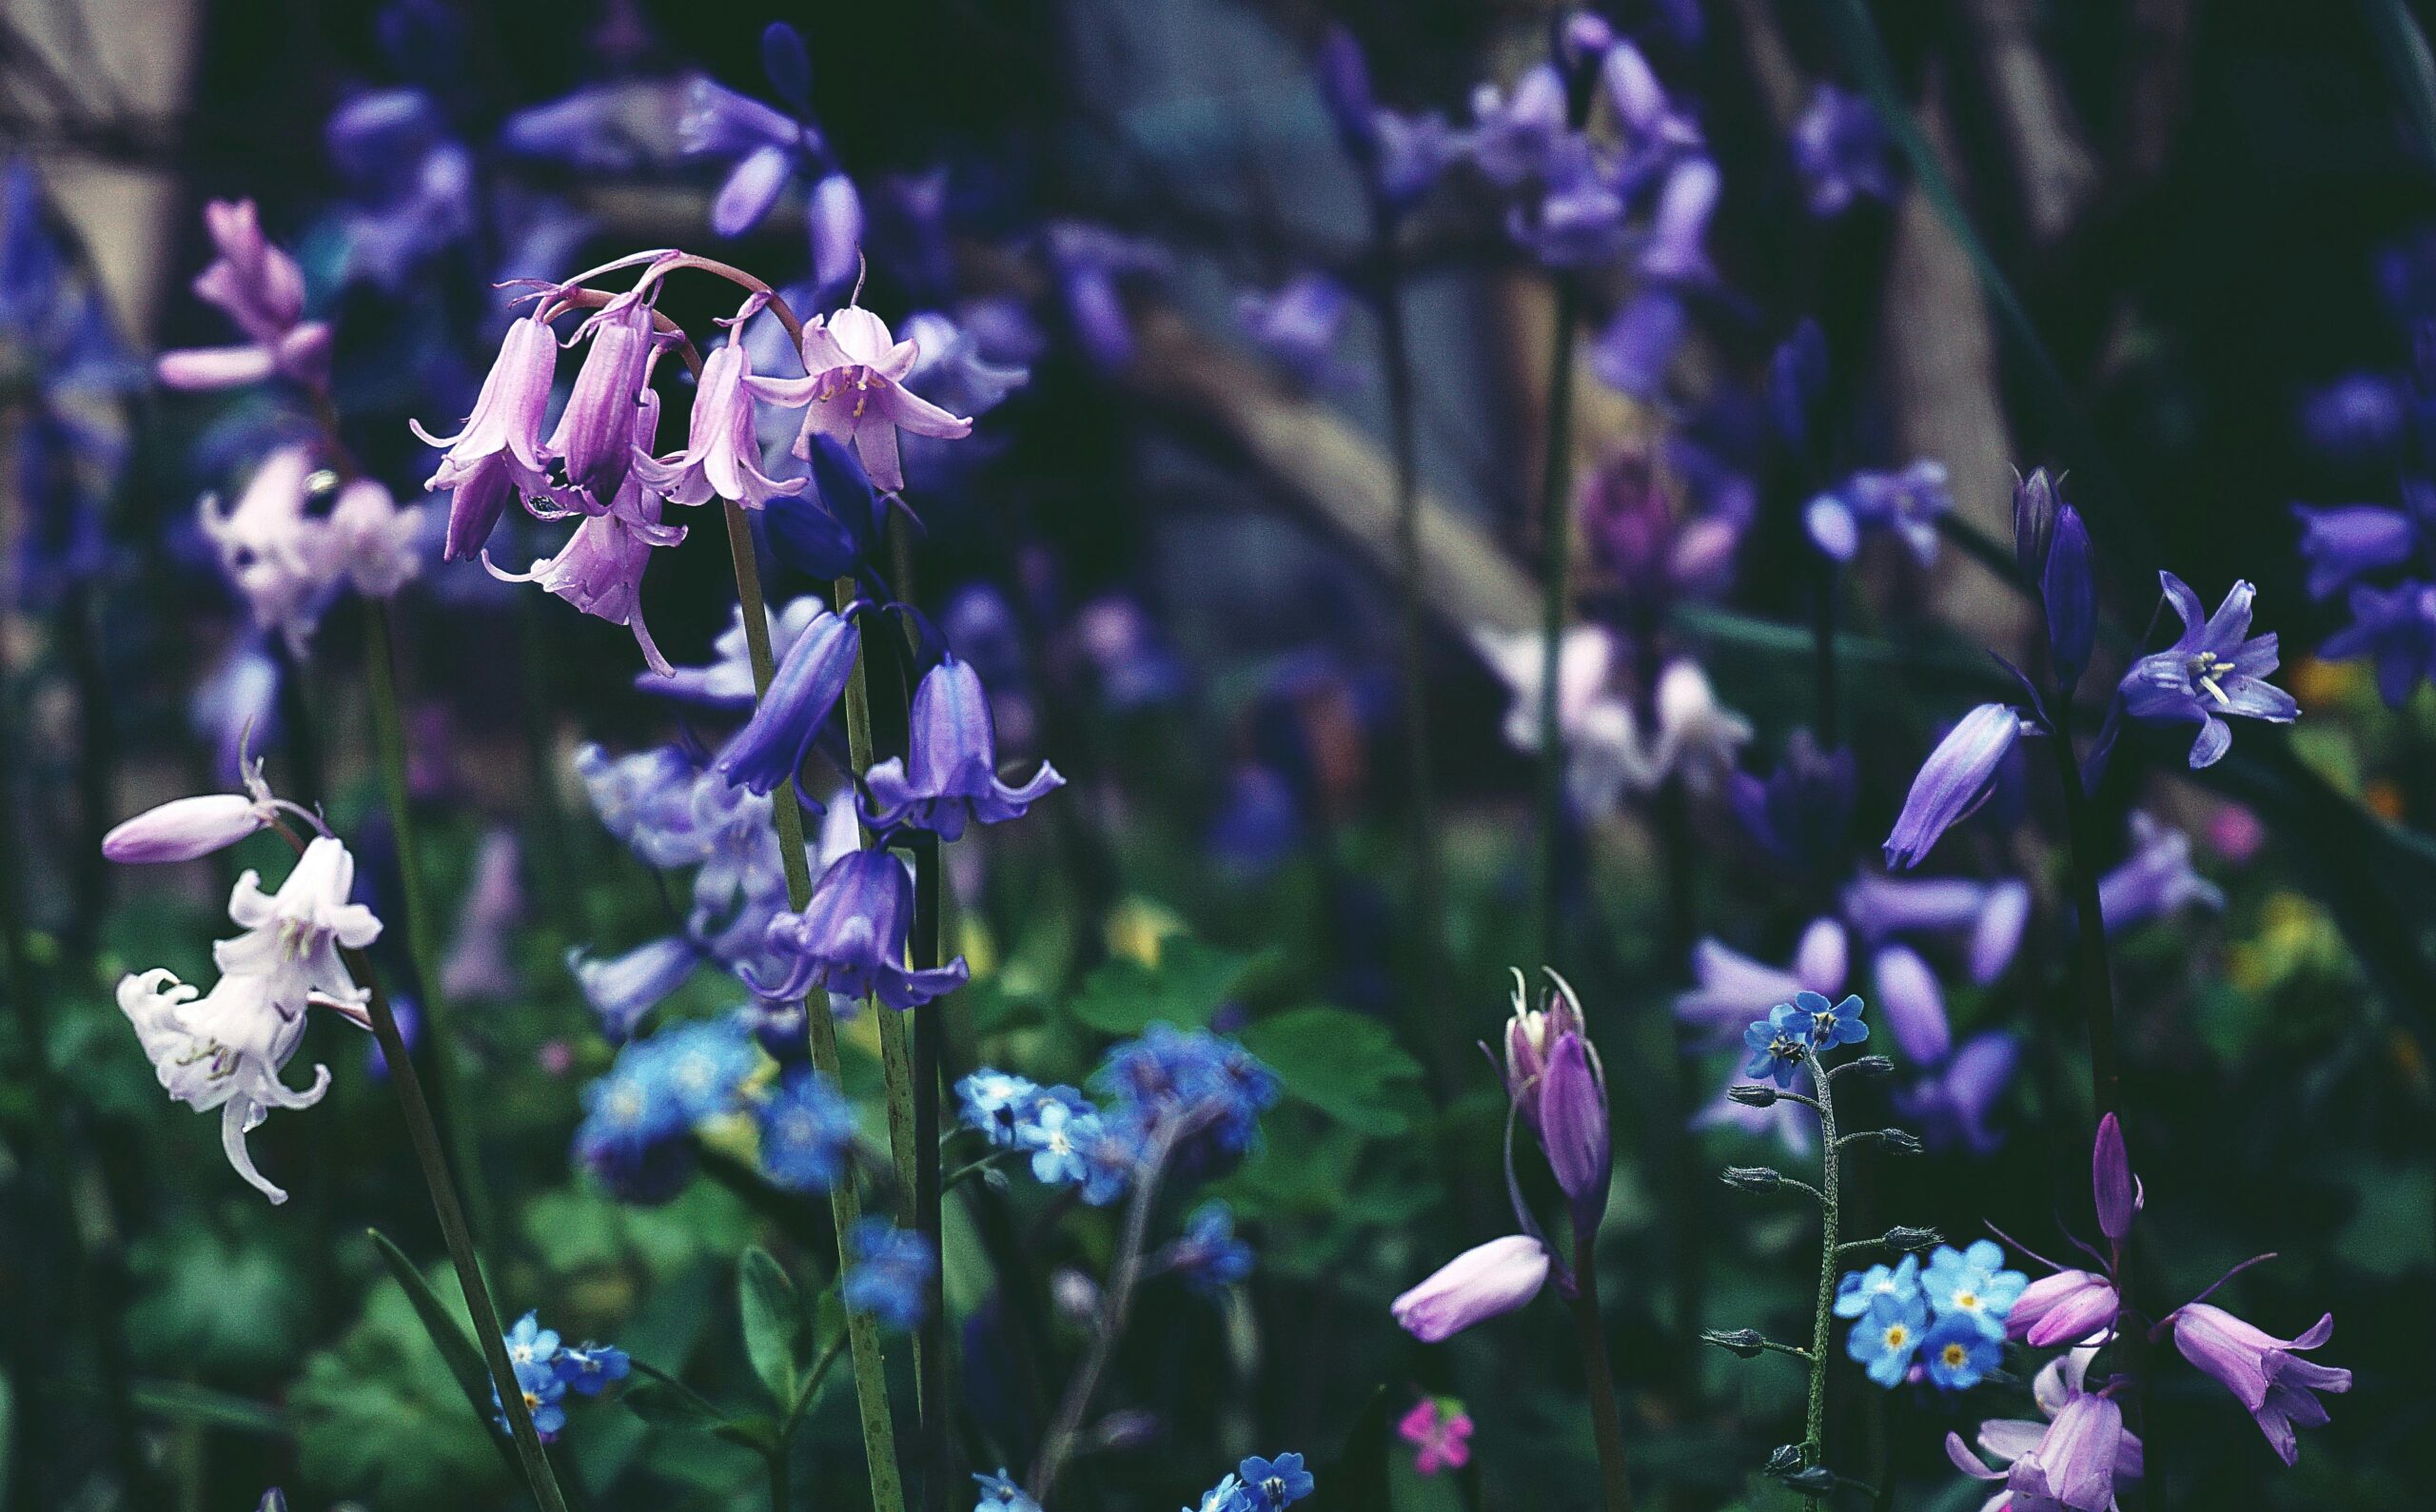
[[1123, 996], [666, 1402], [775, 1326], [449, 1333], [380, 1418], [1343, 1064]]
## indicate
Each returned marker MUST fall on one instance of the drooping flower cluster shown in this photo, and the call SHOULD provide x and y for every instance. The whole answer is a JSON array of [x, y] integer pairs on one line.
[[1945, 1326], [546, 1370]]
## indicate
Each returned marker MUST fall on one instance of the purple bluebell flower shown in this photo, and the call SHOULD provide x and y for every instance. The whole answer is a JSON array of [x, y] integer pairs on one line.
[[1886, 1339], [854, 391], [888, 1274], [1630, 522], [262, 290], [2155, 879], [414, 185], [1954, 780], [2116, 1191], [1952, 1103], [1092, 263], [850, 938], [191, 828], [1207, 1255], [726, 682], [2068, 596], [596, 441], [1483, 1283], [2215, 668], [1992, 914], [2068, 1307], [2397, 628], [807, 1128], [722, 457], [2351, 542], [1908, 504], [1572, 1125], [498, 453], [1299, 326], [767, 752], [953, 777], [1516, 136], [600, 568], [2356, 417], [2075, 1462], [1635, 350], [1842, 151], [1733, 986], [2265, 1375], [966, 361], [624, 988], [1802, 813]]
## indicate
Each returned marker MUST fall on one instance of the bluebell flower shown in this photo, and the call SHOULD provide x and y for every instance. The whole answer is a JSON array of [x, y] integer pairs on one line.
[[1972, 1283], [1779, 1046], [1057, 1135], [888, 1274], [1953, 1104], [999, 1493], [725, 683], [1828, 1024], [807, 1130], [1843, 152], [589, 1370], [1887, 1337], [624, 988], [1907, 504], [1275, 1484], [2154, 879], [1955, 779], [2213, 669], [1802, 813], [1859, 1290], [543, 1394], [2397, 629], [2351, 542], [851, 938], [1208, 1256], [805, 687], [2358, 418], [1958, 1354], [952, 776]]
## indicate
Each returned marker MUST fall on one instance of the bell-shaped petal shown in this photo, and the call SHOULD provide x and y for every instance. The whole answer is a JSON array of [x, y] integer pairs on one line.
[[186, 829], [2066, 1308], [803, 690], [1573, 1127], [952, 776], [1954, 781], [1487, 1281]]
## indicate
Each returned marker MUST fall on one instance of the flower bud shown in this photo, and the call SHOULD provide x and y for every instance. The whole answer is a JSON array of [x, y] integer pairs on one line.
[[1345, 90], [1785, 1461], [1898, 1141], [1904, 1239], [1741, 1343], [1751, 1094], [1753, 1178], [184, 829], [2069, 591], [2063, 1308], [1954, 781], [1573, 1127], [1817, 1478], [1485, 1282], [2117, 1191], [2033, 523], [1867, 1066]]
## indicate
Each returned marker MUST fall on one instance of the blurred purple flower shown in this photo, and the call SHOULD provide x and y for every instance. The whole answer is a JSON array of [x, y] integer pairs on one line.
[[2351, 542], [1733, 989], [414, 185], [726, 682], [1090, 264], [477, 965], [1908, 504], [2215, 668], [1911, 1004], [2397, 628], [1300, 327], [2358, 418], [1635, 349], [1630, 522], [2155, 879], [1802, 813], [1842, 151], [262, 290], [1952, 1103], [1992, 914]]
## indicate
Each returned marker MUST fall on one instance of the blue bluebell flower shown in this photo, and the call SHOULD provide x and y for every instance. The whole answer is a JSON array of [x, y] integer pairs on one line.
[[1274, 1484], [950, 779], [851, 938], [1828, 1024], [767, 752], [1955, 779], [889, 1272], [1779, 1045], [999, 1493], [1972, 1283], [1208, 1256], [1886, 1338], [2395, 628], [1907, 504], [807, 1128], [1859, 1289], [1958, 1355], [588, 1370]]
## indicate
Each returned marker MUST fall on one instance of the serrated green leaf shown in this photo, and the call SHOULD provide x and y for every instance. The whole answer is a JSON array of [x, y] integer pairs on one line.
[[775, 1326], [449, 1333], [1192, 980], [1343, 1064]]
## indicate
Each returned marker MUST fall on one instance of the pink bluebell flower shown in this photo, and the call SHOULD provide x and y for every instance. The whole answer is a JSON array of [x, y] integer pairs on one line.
[[498, 453], [1489, 1280], [2265, 1374], [262, 290], [2073, 1463], [854, 391]]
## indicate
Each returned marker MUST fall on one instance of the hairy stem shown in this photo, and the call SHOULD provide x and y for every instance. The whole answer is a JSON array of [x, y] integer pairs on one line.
[[1814, 1442], [389, 735], [845, 1197], [1606, 1420]]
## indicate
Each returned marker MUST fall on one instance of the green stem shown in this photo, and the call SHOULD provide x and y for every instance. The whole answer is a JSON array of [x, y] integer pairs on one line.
[[389, 735], [781, 1487], [1606, 1420], [1813, 1444], [845, 1198], [1556, 539], [424, 1134], [2090, 964]]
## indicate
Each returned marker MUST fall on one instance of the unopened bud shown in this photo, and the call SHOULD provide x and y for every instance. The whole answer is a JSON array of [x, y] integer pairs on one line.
[[1743, 1343], [1785, 1461], [1753, 1178], [1817, 1478], [1903, 1239], [1751, 1094], [1868, 1065], [1899, 1141]]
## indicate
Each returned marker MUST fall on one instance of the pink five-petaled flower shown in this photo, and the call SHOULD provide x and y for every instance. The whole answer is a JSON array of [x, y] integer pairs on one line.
[[2265, 1374], [1441, 1433], [262, 291], [1485, 1282], [2070, 1463], [855, 391]]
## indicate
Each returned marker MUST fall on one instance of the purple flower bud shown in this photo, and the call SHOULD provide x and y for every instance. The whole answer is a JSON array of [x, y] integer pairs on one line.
[[1913, 1005], [1954, 781], [1573, 1127], [1345, 89], [1483, 1283], [2110, 1178], [2033, 522], [722, 455], [952, 777], [2064, 1309], [183, 829], [2068, 592], [786, 65], [1797, 376], [835, 217], [750, 189], [850, 938], [596, 435], [2341, 544], [803, 689], [2265, 1374]]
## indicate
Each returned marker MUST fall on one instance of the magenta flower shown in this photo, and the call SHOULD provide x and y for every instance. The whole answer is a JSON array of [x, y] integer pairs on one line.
[[2265, 1374], [2071, 1306], [1441, 1433], [1485, 1282], [262, 291], [854, 390], [498, 454], [722, 455]]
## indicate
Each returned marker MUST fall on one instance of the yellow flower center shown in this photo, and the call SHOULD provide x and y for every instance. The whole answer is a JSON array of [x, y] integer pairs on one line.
[[1967, 1301], [1897, 1336], [1954, 1356]]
